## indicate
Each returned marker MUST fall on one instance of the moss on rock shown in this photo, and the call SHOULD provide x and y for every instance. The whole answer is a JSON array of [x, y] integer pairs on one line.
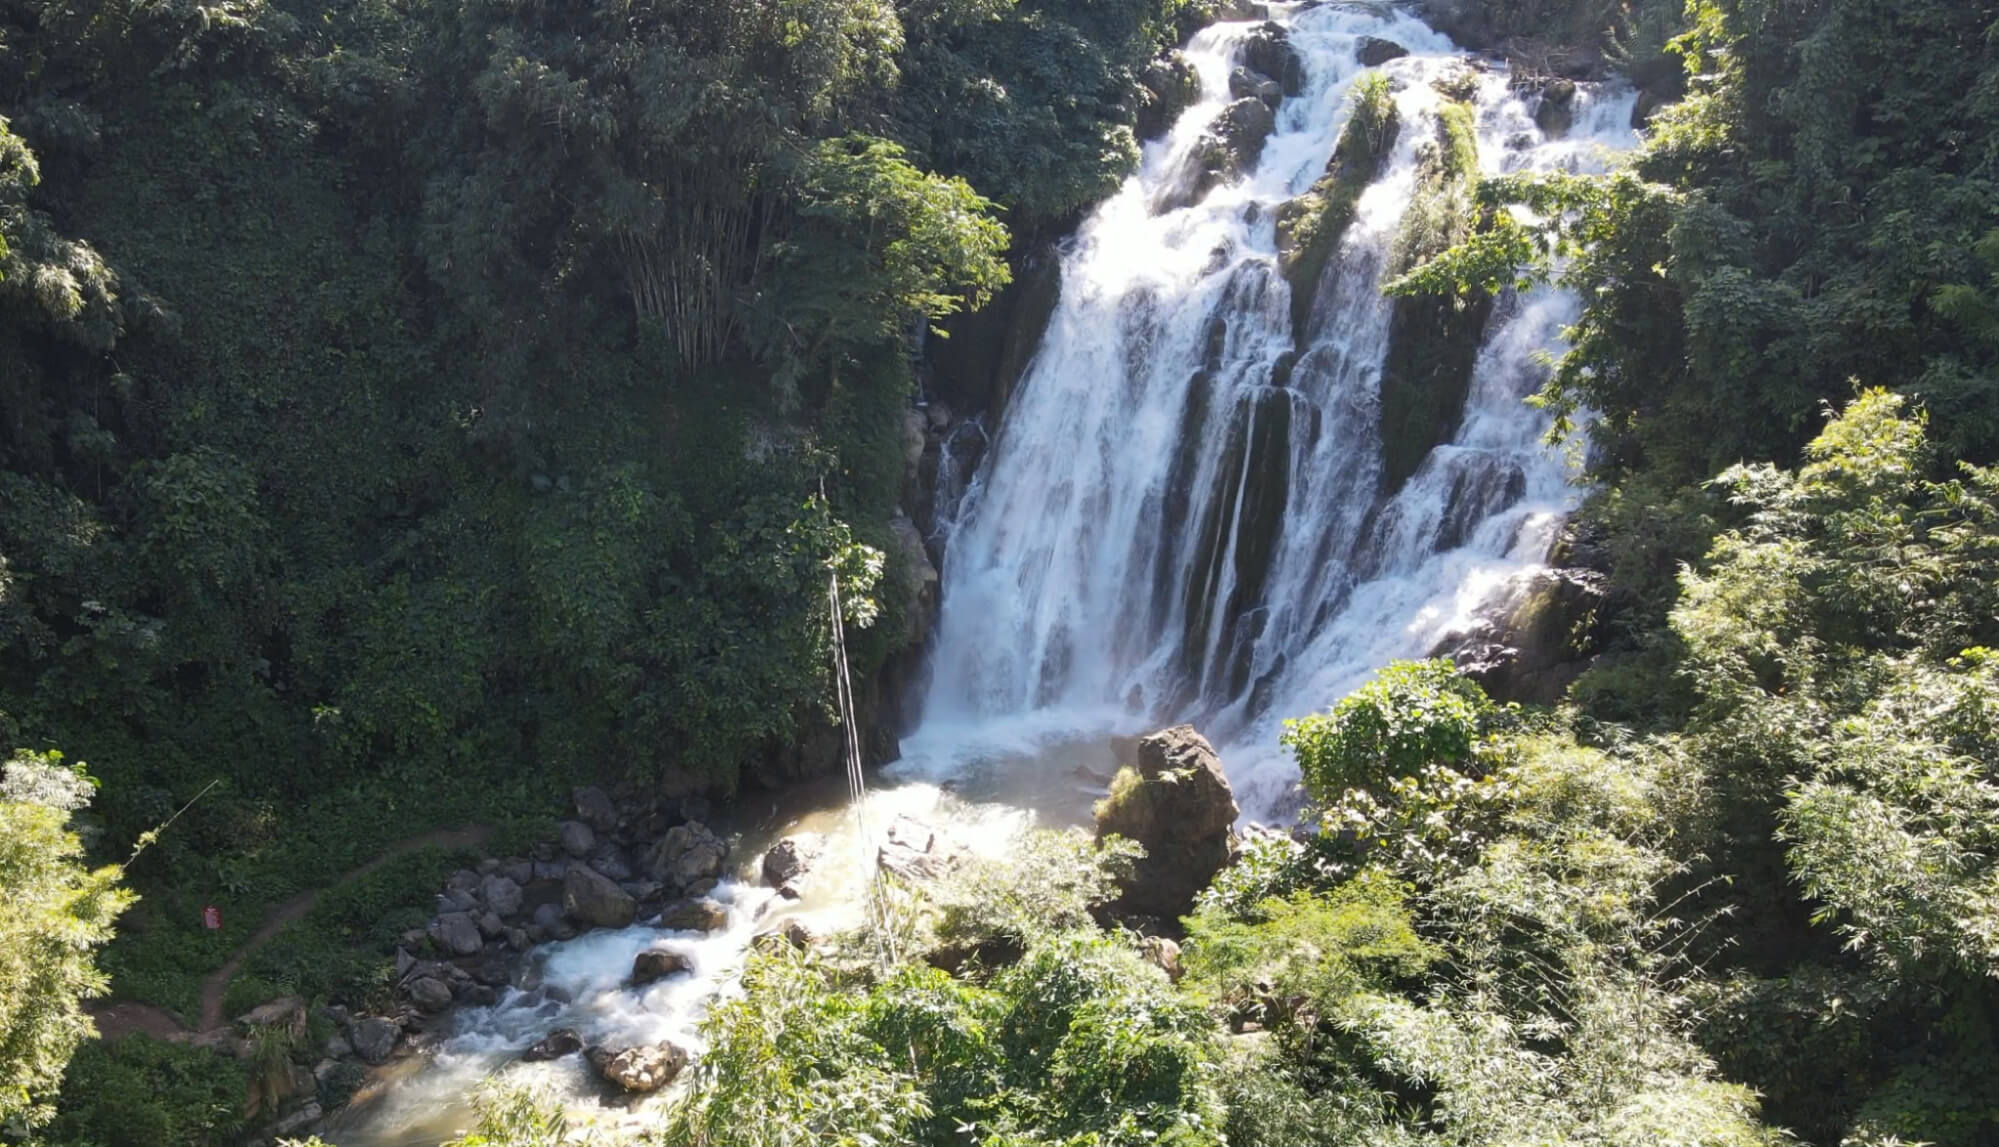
[[1309, 227]]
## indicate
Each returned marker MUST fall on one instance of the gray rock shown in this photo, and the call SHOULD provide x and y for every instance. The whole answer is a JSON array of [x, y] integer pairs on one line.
[[517, 939], [1163, 954], [489, 866], [491, 926], [792, 858], [610, 860], [478, 996], [298, 1120], [429, 994], [1372, 51], [577, 839], [554, 1045], [1556, 111], [657, 964], [641, 1069], [1182, 811], [518, 869], [502, 894], [374, 1038], [338, 1047], [550, 869], [1268, 51], [702, 915], [547, 917], [463, 880], [595, 808], [688, 852], [1245, 84], [285, 1011], [1168, 87], [589, 898], [456, 934], [458, 900], [701, 887]]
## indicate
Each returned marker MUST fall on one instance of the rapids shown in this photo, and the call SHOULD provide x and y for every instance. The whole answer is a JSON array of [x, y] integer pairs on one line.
[[1071, 569]]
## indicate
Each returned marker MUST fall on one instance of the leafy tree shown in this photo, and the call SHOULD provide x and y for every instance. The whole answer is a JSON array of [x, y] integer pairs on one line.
[[1412, 715], [57, 912]]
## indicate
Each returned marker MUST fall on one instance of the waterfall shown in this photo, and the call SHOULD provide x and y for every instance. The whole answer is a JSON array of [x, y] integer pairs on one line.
[[1184, 513]]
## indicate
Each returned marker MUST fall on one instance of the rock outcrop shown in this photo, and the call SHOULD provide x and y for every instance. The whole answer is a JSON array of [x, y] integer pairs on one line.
[[1372, 51], [1168, 87], [1177, 804], [641, 1069], [1530, 643]]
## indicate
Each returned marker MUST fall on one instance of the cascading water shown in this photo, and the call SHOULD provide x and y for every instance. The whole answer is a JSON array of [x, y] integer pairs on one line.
[[1183, 516]]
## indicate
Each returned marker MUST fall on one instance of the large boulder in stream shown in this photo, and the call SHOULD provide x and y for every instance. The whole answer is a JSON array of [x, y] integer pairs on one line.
[[657, 964], [554, 1045], [688, 853], [1269, 50], [791, 858], [1177, 803], [641, 1069], [593, 899]]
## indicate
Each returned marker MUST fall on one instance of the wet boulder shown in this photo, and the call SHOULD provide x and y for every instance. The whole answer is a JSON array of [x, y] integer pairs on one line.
[[641, 1069], [429, 993], [590, 898], [696, 915], [1245, 84], [1168, 87], [791, 858], [657, 964], [1269, 51], [1535, 638], [687, 853], [1555, 111], [1373, 51], [1178, 805], [374, 1038], [554, 1045]]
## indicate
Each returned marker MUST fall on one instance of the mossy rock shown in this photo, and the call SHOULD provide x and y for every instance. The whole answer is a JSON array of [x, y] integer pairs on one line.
[[1309, 228]]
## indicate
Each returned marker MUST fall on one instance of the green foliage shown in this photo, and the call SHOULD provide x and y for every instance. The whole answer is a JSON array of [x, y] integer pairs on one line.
[[141, 1092], [1079, 1043], [513, 1116], [56, 913], [1324, 946], [343, 949], [1048, 884], [1414, 714]]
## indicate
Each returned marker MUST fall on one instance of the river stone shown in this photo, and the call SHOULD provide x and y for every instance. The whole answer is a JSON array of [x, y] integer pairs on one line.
[[590, 898], [1180, 808], [1373, 51], [1245, 84], [791, 858], [518, 869], [687, 853], [699, 915], [577, 839], [456, 934], [374, 1038], [547, 917], [609, 859], [429, 994], [491, 926], [595, 808], [298, 1120], [641, 1069], [1268, 50], [458, 900], [657, 964], [502, 894], [554, 1045]]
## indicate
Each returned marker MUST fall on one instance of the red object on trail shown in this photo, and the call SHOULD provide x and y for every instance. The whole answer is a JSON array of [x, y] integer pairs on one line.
[[211, 918]]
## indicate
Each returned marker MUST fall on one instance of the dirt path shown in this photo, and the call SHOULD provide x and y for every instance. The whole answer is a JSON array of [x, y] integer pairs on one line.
[[117, 1018]]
